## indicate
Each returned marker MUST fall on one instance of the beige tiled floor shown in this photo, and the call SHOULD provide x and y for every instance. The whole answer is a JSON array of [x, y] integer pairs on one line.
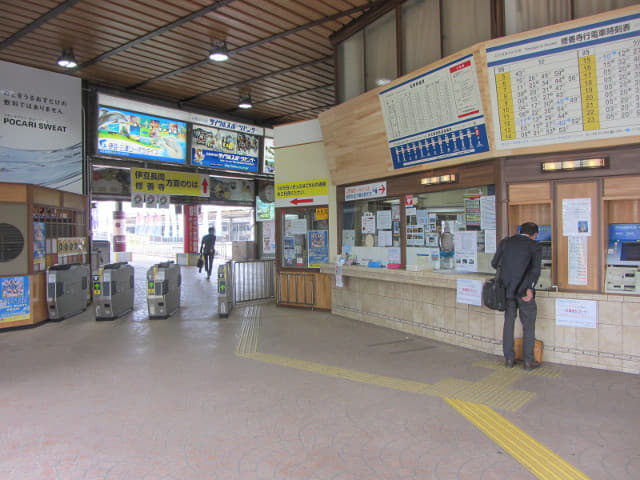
[[316, 397]]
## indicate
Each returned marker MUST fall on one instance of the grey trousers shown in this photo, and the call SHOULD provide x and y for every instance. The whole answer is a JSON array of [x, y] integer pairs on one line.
[[528, 312]]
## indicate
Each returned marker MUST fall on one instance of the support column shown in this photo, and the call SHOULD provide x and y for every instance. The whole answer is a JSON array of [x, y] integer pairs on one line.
[[191, 240], [119, 237]]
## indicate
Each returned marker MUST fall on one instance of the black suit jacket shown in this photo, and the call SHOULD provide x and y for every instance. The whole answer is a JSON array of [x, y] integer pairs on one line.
[[519, 258]]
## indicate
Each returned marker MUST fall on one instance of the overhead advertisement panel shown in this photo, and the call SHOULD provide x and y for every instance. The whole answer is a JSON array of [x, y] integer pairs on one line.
[[570, 86], [138, 135], [436, 115], [230, 150]]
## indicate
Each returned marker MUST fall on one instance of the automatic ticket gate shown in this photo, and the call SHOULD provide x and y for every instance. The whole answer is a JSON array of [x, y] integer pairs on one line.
[[163, 289], [67, 290], [113, 290], [225, 289]]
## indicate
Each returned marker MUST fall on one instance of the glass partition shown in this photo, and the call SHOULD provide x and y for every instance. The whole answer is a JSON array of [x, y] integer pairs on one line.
[[371, 232], [305, 237], [454, 230]]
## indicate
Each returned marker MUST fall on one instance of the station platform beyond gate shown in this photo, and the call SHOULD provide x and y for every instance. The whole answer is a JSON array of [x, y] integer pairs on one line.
[[278, 393]]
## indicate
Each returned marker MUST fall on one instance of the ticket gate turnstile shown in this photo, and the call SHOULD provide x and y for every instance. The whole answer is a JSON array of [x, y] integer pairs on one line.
[[113, 290], [225, 289], [163, 289], [67, 290]]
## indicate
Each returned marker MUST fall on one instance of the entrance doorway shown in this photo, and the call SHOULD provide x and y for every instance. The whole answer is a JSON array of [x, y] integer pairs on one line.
[[157, 234]]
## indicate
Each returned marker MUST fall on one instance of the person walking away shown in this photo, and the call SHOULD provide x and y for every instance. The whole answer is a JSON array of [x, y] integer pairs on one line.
[[519, 258], [207, 250]]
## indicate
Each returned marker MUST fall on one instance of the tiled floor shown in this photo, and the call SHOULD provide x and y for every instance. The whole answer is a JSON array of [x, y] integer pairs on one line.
[[275, 393]]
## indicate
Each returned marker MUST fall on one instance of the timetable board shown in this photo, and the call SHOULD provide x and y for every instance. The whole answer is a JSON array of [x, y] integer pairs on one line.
[[575, 85], [435, 116]]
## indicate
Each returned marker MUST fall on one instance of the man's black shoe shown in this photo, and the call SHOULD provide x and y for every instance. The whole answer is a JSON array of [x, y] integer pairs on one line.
[[508, 362], [531, 365]]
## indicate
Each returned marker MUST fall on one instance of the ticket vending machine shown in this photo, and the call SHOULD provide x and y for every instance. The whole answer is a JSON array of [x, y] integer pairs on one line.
[[113, 289], [163, 289], [623, 259], [545, 281], [67, 290]]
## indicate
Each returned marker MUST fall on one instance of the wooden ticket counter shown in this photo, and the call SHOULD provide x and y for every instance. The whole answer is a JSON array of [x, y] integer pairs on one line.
[[424, 304], [39, 227]]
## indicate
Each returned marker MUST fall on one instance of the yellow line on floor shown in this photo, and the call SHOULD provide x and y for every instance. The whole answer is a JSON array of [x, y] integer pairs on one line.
[[534, 456]]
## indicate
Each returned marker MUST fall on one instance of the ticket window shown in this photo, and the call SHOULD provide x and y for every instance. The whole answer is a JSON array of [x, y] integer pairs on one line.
[[371, 232], [305, 237], [452, 230]]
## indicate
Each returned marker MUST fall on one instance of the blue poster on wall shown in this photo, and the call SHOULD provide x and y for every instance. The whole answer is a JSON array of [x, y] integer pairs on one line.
[[14, 299], [214, 147], [136, 135], [318, 247]]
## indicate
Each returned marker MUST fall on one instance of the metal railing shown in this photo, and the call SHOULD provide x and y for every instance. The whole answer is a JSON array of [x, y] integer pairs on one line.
[[254, 280]]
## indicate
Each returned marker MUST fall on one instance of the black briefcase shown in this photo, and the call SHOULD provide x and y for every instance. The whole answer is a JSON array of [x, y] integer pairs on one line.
[[200, 264], [494, 295]]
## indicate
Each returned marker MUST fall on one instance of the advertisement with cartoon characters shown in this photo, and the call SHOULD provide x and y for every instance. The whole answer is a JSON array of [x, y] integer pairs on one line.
[[214, 147], [136, 135]]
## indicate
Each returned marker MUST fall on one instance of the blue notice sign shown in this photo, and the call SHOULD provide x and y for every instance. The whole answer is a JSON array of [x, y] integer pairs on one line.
[[14, 299]]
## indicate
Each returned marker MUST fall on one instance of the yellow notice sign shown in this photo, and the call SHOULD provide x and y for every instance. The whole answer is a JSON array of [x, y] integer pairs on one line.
[[322, 213], [304, 193], [167, 182]]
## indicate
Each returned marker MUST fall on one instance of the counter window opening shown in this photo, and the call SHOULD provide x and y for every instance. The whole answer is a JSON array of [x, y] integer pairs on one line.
[[450, 230], [305, 237]]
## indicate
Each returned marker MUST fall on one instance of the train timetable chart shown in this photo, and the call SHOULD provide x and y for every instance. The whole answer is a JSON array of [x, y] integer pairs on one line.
[[436, 115], [571, 86]]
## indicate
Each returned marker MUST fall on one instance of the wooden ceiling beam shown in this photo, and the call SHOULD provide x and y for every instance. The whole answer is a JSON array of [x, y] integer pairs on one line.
[[37, 23]]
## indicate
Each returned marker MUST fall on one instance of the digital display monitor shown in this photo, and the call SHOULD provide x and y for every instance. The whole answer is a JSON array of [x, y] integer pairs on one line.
[[136, 135], [630, 252], [544, 233]]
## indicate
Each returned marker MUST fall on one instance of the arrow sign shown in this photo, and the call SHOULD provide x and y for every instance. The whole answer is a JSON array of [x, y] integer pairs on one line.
[[296, 201], [205, 185]]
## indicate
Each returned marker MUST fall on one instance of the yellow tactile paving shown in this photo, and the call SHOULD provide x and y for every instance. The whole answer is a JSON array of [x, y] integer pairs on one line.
[[543, 371], [531, 454]]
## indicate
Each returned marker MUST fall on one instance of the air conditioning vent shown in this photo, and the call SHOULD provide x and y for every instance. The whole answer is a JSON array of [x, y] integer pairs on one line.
[[11, 242]]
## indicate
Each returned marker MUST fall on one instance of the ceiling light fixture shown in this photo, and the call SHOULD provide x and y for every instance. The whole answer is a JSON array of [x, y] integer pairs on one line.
[[439, 179], [67, 59], [567, 165], [219, 52], [245, 102]]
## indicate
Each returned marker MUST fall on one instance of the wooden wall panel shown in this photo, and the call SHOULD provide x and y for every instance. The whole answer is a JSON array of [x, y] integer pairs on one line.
[[530, 192], [13, 192], [355, 137], [47, 196], [623, 211], [323, 291], [622, 187], [540, 214], [594, 257]]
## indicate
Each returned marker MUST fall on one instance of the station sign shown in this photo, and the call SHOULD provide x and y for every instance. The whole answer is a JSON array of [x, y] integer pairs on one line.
[[362, 192], [165, 182], [302, 194]]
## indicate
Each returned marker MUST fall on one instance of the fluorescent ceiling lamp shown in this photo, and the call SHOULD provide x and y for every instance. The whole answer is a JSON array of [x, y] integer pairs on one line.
[[245, 102], [67, 59], [382, 81], [219, 51]]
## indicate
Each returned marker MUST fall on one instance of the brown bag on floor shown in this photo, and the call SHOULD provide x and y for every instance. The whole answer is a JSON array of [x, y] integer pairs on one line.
[[537, 349]]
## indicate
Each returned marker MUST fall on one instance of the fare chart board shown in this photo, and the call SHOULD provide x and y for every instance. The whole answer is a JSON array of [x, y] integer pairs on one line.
[[435, 116], [570, 86]]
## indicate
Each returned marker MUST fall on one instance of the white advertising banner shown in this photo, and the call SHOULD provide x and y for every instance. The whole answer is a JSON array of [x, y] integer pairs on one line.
[[41, 127], [469, 292], [576, 313]]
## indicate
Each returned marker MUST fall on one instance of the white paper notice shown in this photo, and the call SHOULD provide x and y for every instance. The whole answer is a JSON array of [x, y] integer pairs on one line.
[[394, 255], [576, 216], [576, 313], [469, 292], [384, 238], [384, 219], [466, 251], [578, 261], [490, 241], [369, 224], [422, 218], [339, 283], [488, 212]]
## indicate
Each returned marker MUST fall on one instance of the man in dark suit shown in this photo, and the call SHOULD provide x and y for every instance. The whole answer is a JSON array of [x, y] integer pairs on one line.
[[207, 249], [519, 258]]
